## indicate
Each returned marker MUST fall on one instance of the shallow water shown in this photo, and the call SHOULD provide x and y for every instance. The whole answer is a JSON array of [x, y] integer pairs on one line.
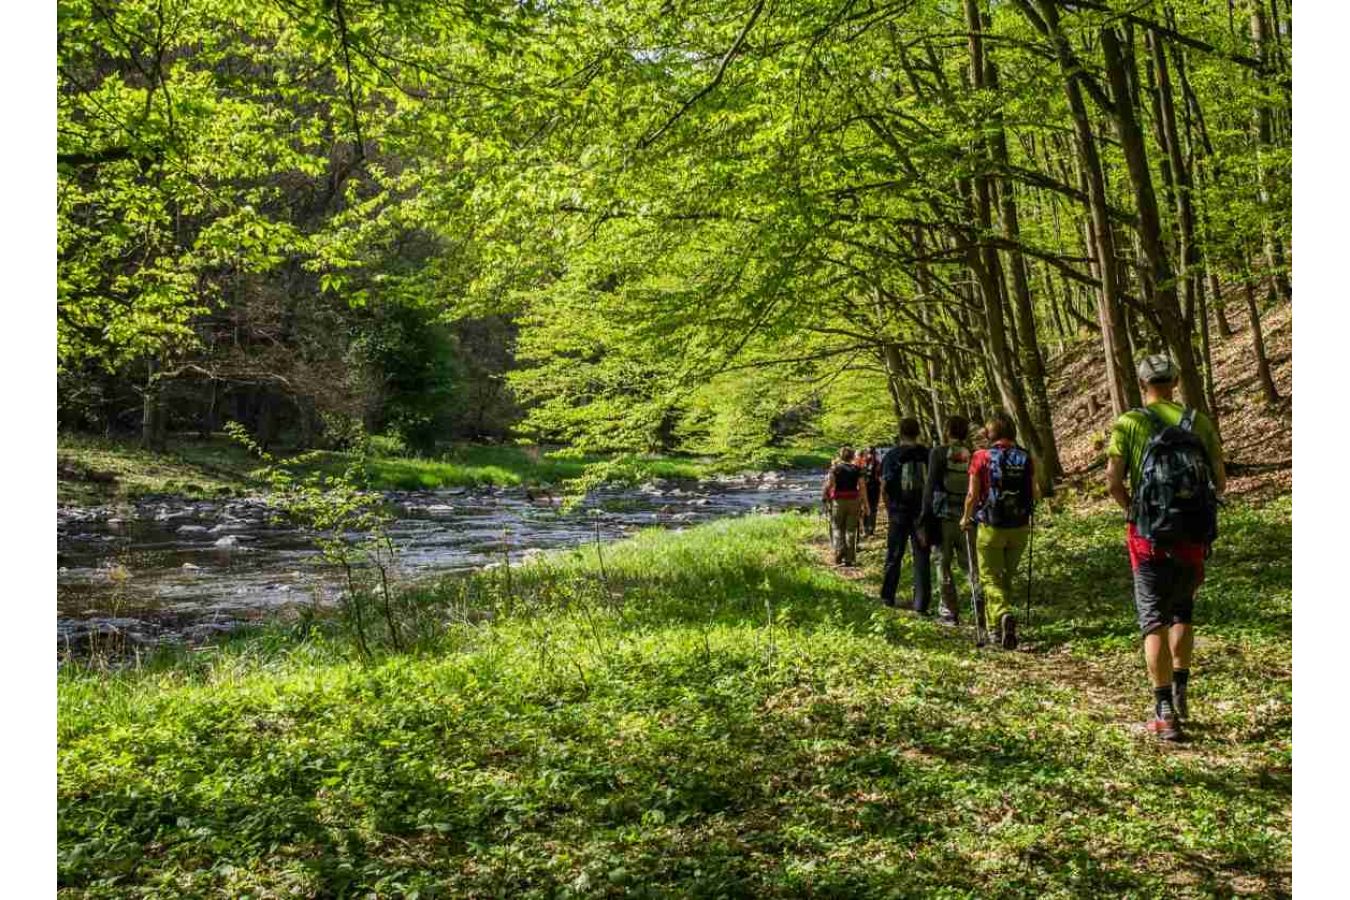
[[178, 570]]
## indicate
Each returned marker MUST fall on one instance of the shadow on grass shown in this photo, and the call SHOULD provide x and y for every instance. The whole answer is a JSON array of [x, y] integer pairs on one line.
[[758, 727]]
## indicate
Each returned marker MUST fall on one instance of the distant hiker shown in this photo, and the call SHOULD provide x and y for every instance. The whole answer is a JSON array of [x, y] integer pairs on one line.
[[848, 503], [944, 498], [1176, 474], [871, 464], [904, 470], [1000, 498]]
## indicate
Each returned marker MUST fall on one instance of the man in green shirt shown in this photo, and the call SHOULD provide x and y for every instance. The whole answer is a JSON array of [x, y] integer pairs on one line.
[[1166, 577]]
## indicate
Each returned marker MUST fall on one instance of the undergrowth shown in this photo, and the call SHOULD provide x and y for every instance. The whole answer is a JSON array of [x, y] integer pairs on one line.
[[700, 714]]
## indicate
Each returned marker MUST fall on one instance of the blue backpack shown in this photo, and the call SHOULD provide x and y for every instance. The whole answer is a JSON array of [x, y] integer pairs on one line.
[[1008, 503], [1175, 499]]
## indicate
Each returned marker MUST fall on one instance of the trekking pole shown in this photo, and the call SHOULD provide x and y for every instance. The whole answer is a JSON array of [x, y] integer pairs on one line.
[[969, 539], [1031, 546]]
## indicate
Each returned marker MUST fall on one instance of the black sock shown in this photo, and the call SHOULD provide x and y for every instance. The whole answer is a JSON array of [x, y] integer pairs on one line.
[[1180, 677], [1162, 695]]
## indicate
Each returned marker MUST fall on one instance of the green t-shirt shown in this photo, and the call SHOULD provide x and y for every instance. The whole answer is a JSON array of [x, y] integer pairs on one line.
[[1132, 430]]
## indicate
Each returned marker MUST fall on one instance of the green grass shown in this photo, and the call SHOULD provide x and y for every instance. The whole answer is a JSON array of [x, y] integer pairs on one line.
[[96, 471], [92, 470], [711, 713]]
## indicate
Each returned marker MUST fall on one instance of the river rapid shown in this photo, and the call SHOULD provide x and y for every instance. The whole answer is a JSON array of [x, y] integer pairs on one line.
[[169, 570]]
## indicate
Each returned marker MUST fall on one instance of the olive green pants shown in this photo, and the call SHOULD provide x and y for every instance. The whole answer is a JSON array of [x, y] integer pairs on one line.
[[957, 547], [1000, 551], [847, 515]]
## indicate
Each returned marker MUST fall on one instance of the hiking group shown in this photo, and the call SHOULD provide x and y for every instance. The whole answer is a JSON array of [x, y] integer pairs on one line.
[[974, 508]]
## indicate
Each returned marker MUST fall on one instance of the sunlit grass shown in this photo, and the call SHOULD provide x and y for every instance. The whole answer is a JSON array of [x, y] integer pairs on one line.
[[707, 713]]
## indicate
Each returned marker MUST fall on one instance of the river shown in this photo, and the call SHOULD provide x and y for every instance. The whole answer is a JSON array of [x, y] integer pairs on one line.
[[174, 570]]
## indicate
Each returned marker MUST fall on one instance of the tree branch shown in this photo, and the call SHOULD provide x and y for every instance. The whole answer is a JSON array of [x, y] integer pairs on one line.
[[651, 137]]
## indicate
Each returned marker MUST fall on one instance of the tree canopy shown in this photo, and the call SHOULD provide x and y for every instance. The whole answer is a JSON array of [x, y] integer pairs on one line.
[[656, 224]]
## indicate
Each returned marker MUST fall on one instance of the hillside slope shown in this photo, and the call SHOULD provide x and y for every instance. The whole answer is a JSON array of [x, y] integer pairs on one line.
[[1258, 440]]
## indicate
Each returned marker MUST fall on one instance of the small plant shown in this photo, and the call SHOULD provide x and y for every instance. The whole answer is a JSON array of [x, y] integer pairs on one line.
[[351, 525]]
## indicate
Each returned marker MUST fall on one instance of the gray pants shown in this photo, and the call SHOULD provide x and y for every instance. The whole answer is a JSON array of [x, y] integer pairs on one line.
[[847, 515], [958, 546]]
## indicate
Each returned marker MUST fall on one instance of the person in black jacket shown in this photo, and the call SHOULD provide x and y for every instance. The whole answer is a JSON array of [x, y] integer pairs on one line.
[[904, 472]]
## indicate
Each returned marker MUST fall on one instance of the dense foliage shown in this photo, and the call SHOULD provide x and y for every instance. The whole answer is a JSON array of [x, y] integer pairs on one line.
[[654, 224]]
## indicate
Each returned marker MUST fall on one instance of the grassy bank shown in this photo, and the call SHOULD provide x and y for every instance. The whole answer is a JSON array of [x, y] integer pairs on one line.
[[92, 471], [711, 713]]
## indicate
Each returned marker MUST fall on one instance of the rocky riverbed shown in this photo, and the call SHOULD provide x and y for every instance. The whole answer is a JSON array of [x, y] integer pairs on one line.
[[168, 569]]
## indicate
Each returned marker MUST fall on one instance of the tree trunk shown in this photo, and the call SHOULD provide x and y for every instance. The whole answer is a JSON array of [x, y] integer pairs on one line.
[[152, 410], [1220, 317], [1273, 220], [895, 367], [1181, 177], [1268, 391], [1166, 304], [1206, 352], [1123, 388], [984, 264], [210, 420], [1033, 364]]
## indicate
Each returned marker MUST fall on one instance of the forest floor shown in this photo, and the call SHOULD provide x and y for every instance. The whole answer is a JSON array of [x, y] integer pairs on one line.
[[94, 471], [707, 713], [1258, 439]]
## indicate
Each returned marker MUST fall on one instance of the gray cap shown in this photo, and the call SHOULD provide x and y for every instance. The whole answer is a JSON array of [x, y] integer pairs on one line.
[[1157, 369]]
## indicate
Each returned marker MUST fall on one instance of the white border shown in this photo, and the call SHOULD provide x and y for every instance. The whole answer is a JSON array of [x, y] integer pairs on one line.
[[27, 535]]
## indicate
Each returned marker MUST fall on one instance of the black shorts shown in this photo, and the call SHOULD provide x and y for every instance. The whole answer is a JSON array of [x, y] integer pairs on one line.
[[1164, 592]]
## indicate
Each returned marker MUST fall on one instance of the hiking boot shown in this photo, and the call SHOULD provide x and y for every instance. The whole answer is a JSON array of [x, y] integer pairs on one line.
[[1007, 628], [1164, 725], [1179, 701]]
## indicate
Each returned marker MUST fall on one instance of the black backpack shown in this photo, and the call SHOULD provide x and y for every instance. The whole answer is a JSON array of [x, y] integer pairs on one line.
[[1008, 503], [905, 479], [1175, 499], [846, 477]]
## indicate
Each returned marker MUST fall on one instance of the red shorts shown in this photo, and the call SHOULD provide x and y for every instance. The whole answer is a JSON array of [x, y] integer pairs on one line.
[[1144, 550]]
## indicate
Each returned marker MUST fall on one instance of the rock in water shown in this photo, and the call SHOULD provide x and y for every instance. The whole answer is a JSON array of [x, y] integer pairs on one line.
[[228, 542]]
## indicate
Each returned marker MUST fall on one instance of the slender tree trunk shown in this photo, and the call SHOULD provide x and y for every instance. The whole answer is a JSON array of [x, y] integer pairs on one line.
[[1181, 177], [895, 368], [1166, 304], [1268, 391], [984, 264], [152, 410], [1028, 347], [1123, 388], [1220, 317], [1273, 219], [1206, 352], [932, 366]]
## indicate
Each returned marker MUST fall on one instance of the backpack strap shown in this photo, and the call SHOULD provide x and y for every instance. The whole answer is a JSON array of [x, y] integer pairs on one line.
[[1188, 420], [1154, 419]]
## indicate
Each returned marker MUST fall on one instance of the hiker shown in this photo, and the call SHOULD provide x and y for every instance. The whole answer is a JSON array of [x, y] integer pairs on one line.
[[871, 465], [1000, 498], [944, 499], [848, 504], [904, 471], [1176, 474]]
